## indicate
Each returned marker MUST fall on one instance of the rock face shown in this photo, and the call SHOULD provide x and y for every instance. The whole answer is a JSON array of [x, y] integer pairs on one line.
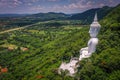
[[84, 52], [71, 66]]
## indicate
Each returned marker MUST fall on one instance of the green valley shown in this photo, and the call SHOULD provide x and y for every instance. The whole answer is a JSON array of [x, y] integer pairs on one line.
[[36, 52]]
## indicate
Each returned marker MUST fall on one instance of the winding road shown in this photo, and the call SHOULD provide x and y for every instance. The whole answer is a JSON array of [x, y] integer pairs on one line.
[[14, 29]]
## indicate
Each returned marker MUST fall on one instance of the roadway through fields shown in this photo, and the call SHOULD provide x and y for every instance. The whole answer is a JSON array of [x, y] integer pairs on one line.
[[14, 29]]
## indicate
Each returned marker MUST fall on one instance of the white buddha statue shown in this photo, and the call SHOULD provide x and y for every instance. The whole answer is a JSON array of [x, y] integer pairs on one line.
[[94, 30], [84, 52]]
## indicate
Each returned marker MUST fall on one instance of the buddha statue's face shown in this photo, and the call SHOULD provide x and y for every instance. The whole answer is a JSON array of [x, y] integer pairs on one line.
[[94, 31]]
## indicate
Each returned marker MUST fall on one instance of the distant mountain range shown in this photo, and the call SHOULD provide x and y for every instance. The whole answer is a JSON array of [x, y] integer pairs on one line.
[[85, 17], [12, 15], [48, 16]]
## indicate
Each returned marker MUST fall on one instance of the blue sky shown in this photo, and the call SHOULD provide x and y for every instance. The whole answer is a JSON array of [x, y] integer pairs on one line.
[[65, 6]]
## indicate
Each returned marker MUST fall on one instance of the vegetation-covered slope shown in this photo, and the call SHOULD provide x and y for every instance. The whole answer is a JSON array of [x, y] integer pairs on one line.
[[39, 51], [105, 63], [87, 16]]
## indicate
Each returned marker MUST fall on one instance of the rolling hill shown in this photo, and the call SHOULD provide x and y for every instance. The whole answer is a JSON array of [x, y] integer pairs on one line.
[[48, 16], [87, 16]]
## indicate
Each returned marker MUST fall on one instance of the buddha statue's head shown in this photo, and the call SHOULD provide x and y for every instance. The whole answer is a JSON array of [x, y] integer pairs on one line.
[[94, 31], [94, 27]]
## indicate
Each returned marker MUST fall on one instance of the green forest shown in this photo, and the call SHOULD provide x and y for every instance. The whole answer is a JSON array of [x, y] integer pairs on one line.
[[36, 52]]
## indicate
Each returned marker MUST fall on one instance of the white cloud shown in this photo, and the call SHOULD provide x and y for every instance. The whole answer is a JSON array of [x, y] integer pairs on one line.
[[37, 8], [17, 2], [29, 4], [33, 0], [79, 5], [10, 3], [53, 0]]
